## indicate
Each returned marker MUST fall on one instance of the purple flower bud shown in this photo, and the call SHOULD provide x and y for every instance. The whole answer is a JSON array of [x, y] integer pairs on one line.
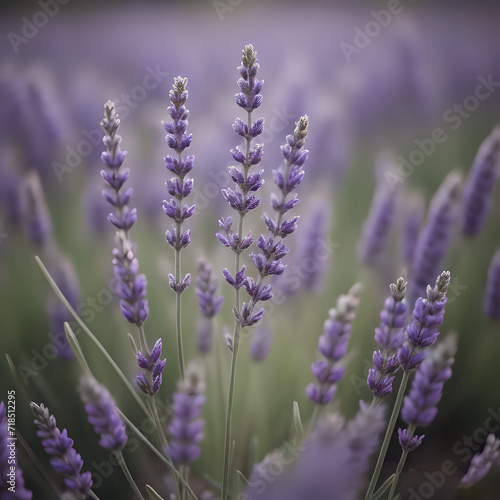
[[333, 345], [150, 382], [409, 442], [206, 290]]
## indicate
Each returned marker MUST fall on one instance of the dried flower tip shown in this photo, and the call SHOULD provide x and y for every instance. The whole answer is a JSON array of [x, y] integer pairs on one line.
[[398, 289], [248, 56]]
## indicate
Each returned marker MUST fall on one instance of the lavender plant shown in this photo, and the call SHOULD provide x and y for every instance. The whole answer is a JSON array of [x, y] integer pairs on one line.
[[130, 285], [420, 405], [333, 346], [179, 187], [434, 238], [481, 462], [390, 337], [209, 303], [479, 187], [421, 333], [65, 460]]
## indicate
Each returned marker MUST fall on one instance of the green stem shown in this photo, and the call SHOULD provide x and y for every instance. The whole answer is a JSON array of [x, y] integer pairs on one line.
[[165, 459], [62, 298], [227, 439], [93, 495], [121, 461], [178, 325], [159, 428], [388, 434], [401, 464]]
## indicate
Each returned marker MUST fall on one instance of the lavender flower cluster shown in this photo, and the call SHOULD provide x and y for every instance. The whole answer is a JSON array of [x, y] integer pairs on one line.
[[331, 455]]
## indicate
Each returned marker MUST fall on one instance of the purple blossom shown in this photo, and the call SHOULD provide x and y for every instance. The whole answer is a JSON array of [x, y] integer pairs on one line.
[[481, 462], [130, 286], [478, 189], [150, 381], [6, 441], [268, 262], [101, 411], [377, 228], [422, 331], [408, 441], [181, 186], [492, 293], [390, 337], [333, 346], [65, 460], [433, 241], [186, 427], [420, 405], [209, 303]]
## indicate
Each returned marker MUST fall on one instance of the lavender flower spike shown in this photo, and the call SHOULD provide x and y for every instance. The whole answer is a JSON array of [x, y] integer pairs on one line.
[[65, 460], [186, 427], [180, 186], [269, 261], [422, 332], [433, 241], [242, 198], [7, 480], [150, 382], [101, 411], [481, 462], [492, 294], [479, 187], [333, 346], [414, 210], [377, 228], [419, 406], [130, 286], [209, 303], [390, 337]]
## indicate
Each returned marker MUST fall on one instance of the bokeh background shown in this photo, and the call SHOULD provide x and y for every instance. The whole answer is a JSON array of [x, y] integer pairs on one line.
[[395, 88]]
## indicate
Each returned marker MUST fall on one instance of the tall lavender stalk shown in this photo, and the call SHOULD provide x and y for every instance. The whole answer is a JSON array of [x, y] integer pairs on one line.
[[420, 405], [390, 337], [492, 293], [11, 485], [130, 285], [333, 345], [242, 200], [478, 191], [65, 460], [421, 333], [178, 187]]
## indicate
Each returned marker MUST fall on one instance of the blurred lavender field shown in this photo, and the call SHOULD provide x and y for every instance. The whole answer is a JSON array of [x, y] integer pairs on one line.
[[397, 101]]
